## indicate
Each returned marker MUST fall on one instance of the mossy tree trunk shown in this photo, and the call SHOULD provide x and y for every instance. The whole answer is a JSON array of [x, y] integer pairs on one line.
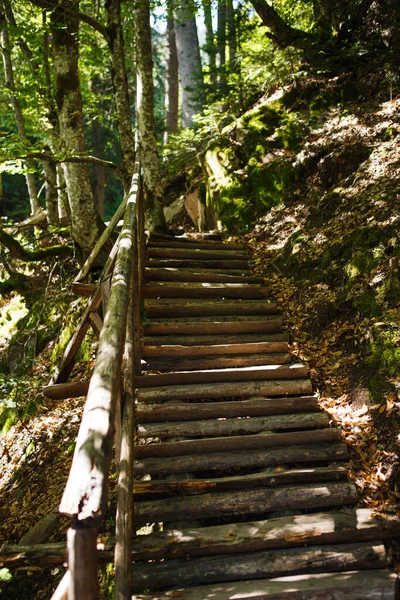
[[115, 42], [210, 42], [64, 20], [172, 80], [154, 213], [190, 71], [221, 45], [14, 101]]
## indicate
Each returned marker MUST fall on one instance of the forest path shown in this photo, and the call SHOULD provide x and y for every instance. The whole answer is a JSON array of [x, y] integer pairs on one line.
[[234, 456]]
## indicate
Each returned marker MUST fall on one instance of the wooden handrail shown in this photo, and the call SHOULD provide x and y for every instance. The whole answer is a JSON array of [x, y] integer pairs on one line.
[[85, 494]]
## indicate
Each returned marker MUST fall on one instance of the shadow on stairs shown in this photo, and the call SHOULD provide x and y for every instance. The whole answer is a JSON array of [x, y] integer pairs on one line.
[[234, 457]]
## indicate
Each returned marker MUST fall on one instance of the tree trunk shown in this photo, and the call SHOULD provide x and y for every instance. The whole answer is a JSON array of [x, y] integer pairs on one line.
[[65, 30], [280, 32], [154, 213], [19, 118], [232, 45], [221, 44], [50, 176], [190, 72], [120, 87], [98, 168], [172, 81], [210, 42]]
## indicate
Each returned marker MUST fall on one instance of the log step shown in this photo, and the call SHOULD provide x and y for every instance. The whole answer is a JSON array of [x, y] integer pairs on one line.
[[232, 443], [270, 380], [226, 461], [349, 525], [262, 324], [233, 426], [196, 244], [253, 407], [354, 585], [197, 254], [213, 340], [187, 276], [179, 263], [217, 362], [203, 237], [167, 307], [258, 565], [264, 479], [202, 290], [248, 502], [179, 351]]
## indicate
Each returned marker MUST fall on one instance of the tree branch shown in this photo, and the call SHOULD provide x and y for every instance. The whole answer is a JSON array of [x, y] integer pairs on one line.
[[282, 34], [95, 24], [21, 253]]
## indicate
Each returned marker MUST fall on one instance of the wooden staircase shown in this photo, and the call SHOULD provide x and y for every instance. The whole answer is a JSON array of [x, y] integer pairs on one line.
[[234, 457]]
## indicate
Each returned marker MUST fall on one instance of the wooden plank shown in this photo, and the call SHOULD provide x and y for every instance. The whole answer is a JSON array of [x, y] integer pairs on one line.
[[64, 368], [206, 245], [269, 479], [198, 264], [232, 443], [234, 504], [197, 254], [230, 338], [176, 275], [338, 527], [266, 324], [82, 563], [236, 426], [102, 240], [217, 362], [215, 290], [207, 376], [83, 289], [226, 461], [179, 351], [354, 585], [253, 407], [61, 391], [266, 387], [96, 322], [257, 565], [192, 237], [216, 307], [349, 525]]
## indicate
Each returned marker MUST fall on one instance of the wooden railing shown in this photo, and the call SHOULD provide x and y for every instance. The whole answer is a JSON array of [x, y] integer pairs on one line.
[[109, 412]]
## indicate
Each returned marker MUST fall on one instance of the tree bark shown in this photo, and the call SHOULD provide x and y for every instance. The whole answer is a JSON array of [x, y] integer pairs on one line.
[[97, 145], [19, 118], [115, 42], [190, 72], [172, 81], [232, 45], [210, 42], [154, 213], [65, 30], [221, 44], [50, 177]]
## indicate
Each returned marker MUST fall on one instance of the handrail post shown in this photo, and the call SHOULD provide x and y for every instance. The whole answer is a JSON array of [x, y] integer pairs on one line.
[[82, 562]]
